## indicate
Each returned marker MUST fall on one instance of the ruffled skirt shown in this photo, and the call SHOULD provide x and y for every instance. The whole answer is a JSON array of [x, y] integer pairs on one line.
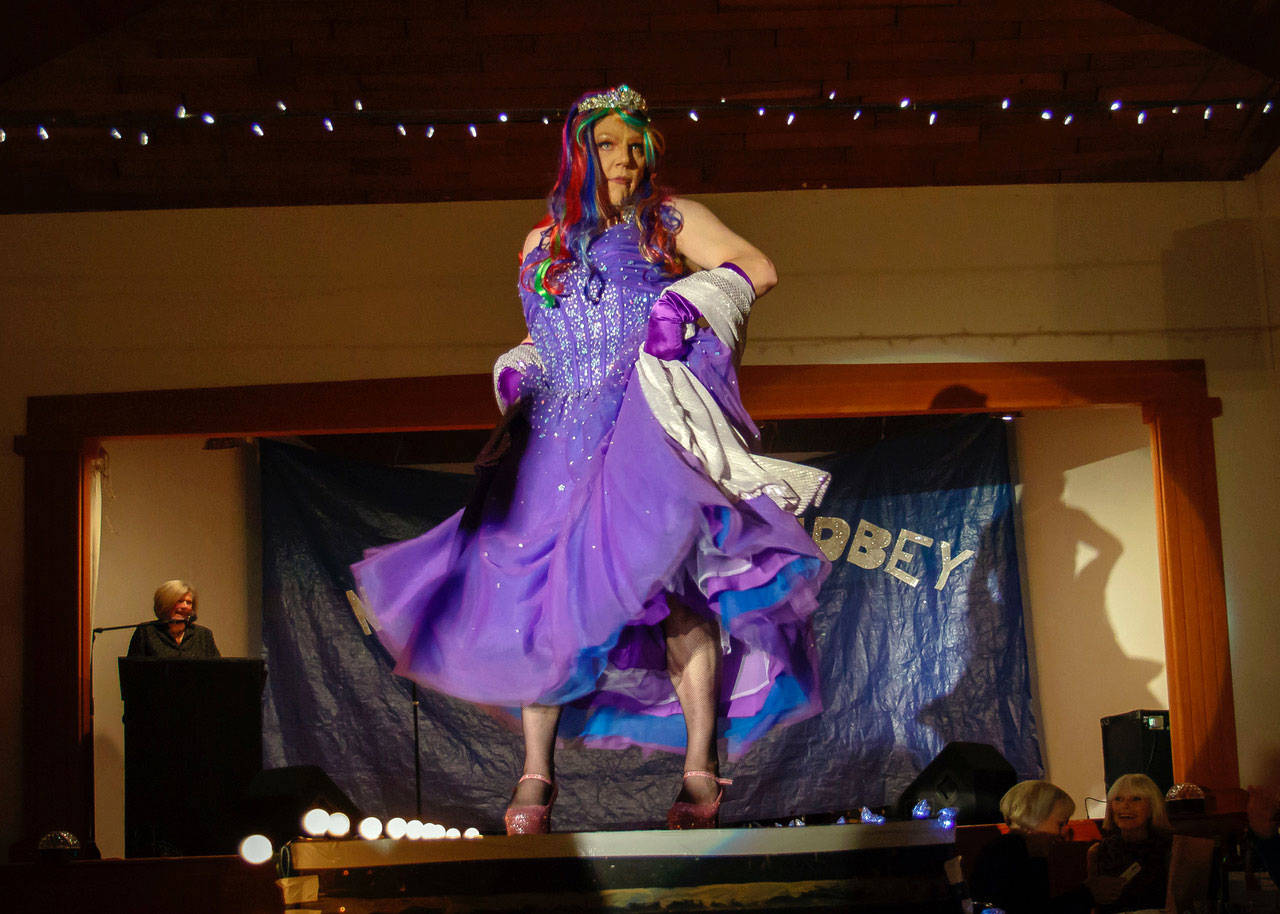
[[550, 588]]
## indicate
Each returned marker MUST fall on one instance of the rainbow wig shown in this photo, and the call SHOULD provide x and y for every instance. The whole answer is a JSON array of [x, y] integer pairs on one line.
[[579, 208]]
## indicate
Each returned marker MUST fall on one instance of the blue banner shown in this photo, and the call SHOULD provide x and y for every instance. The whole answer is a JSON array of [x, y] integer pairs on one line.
[[920, 636]]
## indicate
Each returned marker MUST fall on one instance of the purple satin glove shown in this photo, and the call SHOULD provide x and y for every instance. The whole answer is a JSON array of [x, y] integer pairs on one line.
[[730, 265], [667, 319], [509, 385]]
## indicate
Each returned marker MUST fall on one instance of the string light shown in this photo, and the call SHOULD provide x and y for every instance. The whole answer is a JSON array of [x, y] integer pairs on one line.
[[760, 112], [3, 136], [41, 132], [545, 119], [723, 99], [1208, 112], [1266, 109], [256, 128], [1142, 117], [693, 115], [904, 103], [471, 129], [1173, 110], [115, 134], [503, 117], [1116, 105], [143, 138], [831, 96], [1046, 115], [1068, 119], [857, 114], [1239, 106], [281, 105], [359, 105], [1004, 105], [207, 118], [400, 130], [933, 118], [328, 125], [791, 118], [181, 112], [431, 130]]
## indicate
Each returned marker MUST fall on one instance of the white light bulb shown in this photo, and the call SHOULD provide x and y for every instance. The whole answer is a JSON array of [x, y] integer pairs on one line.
[[256, 128], [431, 130], [1208, 112], [339, 825], [143, 138], [328, 125], [791, 118], [256, 849], [503, 117], [1116, 105], [1046, 114], [904, 103], [1068, 119], [41, 132], [281, 105], [760, 112], [471, 129], [115, 134], [181, 112], [1266, 109], [207, 117], [1004, 105], [3, 136], [1142, 117], [831, 96], [1173, 110], [471, 832], [400, 130], [315, 822], [453, 833], [396, 828], [370, 828], [413, 830], [857, 114], [359, 105], [933, 118], [433, 830], [693, 115], [546, 120]]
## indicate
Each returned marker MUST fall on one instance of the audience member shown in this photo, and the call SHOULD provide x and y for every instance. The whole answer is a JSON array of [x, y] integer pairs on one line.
[[1136, 844]]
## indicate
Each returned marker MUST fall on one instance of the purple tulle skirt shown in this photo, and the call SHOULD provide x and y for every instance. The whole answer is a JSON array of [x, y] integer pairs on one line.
[[552, 586]]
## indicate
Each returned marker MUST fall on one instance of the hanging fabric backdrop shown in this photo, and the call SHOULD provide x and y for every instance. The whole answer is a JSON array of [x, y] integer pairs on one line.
[[920, 636]]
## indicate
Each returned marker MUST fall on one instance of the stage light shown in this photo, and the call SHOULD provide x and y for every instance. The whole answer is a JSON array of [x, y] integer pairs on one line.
[[315, 822], [413, 830], [922, 810], [256, 849], [339, 825], [471, 832], [947, 816], [370, 828], [433, 830], [396, 828], [871, 818]]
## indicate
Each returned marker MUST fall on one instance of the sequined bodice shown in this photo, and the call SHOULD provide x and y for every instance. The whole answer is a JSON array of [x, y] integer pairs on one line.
[[588, 342]]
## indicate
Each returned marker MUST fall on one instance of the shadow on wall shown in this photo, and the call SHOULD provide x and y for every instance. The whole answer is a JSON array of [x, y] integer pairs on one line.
[[1212, 293]]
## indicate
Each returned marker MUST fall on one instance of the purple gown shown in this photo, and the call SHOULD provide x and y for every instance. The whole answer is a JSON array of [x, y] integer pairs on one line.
[[550, 587]]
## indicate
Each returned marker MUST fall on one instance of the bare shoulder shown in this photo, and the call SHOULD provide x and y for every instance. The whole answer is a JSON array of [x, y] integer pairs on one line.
[[690, 210], [531, 241]]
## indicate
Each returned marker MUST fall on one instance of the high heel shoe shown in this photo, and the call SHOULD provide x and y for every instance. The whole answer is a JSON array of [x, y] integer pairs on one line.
[[531, 820], [698, 815]]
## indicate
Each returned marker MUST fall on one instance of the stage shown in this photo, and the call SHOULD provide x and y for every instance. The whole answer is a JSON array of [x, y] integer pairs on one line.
[[897, 866]]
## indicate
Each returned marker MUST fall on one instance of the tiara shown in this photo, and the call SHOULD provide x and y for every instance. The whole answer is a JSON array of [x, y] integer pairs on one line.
[[623, 98]]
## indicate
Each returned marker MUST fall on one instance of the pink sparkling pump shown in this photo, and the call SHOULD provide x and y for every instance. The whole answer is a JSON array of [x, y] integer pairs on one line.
[[531, 820], [698, 815]]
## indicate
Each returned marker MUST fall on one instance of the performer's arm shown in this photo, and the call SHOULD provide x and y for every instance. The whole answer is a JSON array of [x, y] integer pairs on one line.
[[708, 242]]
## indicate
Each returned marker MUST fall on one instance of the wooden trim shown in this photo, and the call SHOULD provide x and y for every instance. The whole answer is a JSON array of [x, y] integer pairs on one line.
[[57, 748]]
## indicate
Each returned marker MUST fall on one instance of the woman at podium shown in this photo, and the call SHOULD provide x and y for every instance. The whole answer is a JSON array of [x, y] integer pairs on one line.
[[174, 634]]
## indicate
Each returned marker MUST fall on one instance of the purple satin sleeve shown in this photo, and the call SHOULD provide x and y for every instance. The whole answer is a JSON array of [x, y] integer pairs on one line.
[[730, 265], [667, 319], [509, 385]]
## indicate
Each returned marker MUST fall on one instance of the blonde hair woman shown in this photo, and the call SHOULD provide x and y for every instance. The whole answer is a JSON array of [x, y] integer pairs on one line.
[[175, 633], [1135, 830]]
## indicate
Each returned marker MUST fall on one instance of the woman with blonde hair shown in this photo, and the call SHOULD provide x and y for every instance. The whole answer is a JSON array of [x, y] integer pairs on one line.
[[1012, 872], [174, 634], [1135, 830]]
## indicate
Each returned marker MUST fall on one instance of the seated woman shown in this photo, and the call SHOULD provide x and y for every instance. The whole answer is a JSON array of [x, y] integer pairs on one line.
[[1135, 830], [1012, 872], [174, 634]]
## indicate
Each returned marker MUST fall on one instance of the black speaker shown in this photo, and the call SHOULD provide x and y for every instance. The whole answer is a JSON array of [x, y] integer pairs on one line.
[[278, 797], [1138, 742], [971, 777]]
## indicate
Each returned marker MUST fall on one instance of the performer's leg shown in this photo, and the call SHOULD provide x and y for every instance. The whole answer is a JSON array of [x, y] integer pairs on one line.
[[539, 723], [693, 662]]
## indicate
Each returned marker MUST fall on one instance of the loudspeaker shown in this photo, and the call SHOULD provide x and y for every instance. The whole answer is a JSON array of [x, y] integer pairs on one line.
[[971, 777], [278, 797], [1138, 742]]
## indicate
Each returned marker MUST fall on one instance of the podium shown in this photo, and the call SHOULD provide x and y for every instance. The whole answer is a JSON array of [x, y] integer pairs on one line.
[[192, 744]]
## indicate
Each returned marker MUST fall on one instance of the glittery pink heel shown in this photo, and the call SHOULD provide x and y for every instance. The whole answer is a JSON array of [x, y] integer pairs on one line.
[[531, 820], [698, 815]]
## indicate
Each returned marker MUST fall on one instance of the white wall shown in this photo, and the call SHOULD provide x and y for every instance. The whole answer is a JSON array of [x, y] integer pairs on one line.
[[117, 301]]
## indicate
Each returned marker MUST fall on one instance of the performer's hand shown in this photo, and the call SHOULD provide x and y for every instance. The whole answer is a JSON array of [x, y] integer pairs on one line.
[[667, 320], [509, 385]]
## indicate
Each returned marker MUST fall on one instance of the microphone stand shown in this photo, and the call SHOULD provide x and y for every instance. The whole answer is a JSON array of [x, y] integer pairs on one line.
[[417, 753]]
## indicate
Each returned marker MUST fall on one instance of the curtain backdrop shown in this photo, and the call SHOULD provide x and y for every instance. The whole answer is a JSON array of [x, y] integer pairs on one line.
[[920, 635]]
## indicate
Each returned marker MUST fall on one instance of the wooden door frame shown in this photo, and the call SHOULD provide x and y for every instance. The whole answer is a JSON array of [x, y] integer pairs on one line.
[[64, 434]]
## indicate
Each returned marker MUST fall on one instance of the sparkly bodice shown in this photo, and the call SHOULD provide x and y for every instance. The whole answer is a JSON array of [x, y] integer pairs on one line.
[[588, 342]]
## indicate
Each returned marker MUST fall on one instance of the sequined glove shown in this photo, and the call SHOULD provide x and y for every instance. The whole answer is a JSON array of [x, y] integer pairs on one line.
[[510, 371]]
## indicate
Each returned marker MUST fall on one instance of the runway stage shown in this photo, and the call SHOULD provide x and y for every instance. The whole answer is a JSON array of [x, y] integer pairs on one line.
[[897, 866]]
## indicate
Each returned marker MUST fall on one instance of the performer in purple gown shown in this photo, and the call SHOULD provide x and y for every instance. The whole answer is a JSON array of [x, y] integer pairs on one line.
[[629, 572]]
